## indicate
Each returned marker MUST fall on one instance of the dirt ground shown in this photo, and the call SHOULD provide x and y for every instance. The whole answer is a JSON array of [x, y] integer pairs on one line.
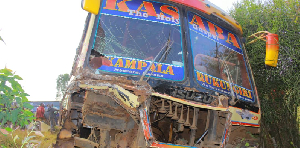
[[243, 137]]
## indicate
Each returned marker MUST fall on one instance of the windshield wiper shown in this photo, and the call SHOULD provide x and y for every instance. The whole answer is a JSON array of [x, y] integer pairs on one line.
[[167, 47], [229, 77]]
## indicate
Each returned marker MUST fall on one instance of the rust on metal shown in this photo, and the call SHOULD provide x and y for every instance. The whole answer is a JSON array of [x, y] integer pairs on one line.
[[81, 142], [190, 103]]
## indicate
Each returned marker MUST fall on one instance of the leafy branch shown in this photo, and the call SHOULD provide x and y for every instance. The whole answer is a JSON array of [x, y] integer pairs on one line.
[[277, 87], [14, 106]]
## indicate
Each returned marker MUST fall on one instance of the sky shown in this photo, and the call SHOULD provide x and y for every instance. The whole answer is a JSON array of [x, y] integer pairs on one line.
[[41, 37]]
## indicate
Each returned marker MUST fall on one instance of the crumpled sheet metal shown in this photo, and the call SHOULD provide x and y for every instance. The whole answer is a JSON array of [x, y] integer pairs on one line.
[[109, 91], [102, 107], [110, 86], [128, 93], [226, 135], [116, 91], [139, 87], [88, 74]]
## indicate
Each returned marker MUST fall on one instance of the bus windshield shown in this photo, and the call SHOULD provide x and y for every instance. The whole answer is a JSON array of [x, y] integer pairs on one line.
[[139, 34], [138, 39], [219, 61], [218, 58]]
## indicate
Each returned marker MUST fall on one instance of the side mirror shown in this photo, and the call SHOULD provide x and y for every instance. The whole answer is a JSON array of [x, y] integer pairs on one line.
[[272, 49], [272, 46], [91, 6]]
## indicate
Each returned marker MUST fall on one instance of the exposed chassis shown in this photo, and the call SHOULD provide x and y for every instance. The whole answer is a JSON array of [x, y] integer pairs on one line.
[[105, 111]]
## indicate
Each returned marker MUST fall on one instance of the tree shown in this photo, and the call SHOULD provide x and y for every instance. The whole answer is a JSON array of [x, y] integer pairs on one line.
[[278, 88], [61, 85]]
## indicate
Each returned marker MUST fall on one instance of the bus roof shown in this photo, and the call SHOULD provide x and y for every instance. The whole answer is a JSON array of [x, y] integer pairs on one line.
[[209, 8]]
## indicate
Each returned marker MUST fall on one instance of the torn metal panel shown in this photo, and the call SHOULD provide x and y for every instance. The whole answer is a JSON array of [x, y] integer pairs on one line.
[[87, 74], [101, 111], [129, 94], [102, 104], [105, 122], [112, 94], [127, 98]]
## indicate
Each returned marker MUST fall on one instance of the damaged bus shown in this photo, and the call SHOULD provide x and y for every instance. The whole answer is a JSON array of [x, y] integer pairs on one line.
[[159, 73]]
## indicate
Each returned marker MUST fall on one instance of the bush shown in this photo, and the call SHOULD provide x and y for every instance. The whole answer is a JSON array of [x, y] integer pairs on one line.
[[278, 88]]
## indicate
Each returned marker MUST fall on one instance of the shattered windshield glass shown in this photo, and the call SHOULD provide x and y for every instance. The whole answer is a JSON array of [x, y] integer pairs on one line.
[[133, 33], [218, 58], [138, 39], [219, 61]]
